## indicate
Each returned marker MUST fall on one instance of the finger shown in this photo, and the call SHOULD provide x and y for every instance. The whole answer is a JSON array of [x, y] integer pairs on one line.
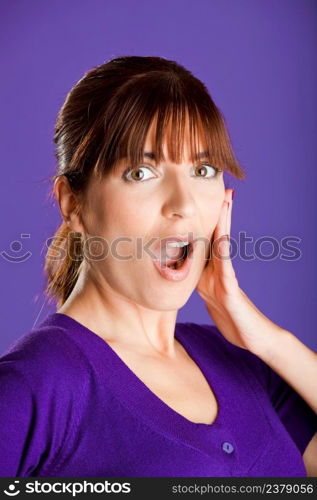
[[229, 214], [209, 261], [221, 248], [221, 227]]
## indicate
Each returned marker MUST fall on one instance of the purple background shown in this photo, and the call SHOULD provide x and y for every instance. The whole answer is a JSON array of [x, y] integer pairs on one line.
[[258, 60]]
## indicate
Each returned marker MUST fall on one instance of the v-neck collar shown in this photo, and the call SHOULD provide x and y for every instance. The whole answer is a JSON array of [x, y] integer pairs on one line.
[[135, 395]]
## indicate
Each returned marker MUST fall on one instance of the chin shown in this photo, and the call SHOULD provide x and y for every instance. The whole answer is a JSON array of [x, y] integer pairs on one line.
[[171, 301]]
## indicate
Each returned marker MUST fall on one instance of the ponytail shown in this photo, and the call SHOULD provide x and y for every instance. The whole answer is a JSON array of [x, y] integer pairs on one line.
[[62, 263]]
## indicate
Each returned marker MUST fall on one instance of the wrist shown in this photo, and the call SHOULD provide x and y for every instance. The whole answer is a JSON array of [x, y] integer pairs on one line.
[[271, 352]]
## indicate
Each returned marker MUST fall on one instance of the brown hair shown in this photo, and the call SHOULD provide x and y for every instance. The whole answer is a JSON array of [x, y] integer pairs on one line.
[[105, 117]]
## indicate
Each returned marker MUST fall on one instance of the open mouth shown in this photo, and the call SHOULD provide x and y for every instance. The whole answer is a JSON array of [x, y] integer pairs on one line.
[[173, 257], [184, 253]]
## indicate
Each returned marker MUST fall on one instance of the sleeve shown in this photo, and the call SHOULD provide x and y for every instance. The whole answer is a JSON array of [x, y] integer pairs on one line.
[[19, 443], [42, 382], [296, 415]]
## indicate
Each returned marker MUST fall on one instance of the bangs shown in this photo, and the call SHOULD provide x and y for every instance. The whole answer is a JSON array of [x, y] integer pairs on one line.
[[181, 113]]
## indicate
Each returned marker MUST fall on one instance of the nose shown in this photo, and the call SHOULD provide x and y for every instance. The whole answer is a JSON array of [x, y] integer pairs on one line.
[[179, 201]]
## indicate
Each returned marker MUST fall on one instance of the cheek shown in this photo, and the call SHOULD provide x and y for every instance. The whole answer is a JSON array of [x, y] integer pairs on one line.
[[120, 227], [211, 216]]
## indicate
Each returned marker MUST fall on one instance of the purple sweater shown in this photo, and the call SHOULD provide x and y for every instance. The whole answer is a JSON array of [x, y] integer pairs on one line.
[[70, 407]]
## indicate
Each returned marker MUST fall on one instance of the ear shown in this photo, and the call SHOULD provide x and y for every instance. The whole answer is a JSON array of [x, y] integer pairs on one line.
[[68, 203]]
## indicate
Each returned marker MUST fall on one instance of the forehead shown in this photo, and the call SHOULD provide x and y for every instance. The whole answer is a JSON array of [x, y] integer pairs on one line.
[[150, 155], [149, 144]]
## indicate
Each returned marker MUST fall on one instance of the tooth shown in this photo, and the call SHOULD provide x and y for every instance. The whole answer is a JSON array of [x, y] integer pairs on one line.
[[177, 243]]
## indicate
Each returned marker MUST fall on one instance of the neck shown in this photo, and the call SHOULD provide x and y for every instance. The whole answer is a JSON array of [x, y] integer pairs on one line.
[[119, 320]]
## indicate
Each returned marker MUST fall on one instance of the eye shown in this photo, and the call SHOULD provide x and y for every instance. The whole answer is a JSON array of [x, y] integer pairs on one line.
[[136, 174], [132, 174], [207, 174]]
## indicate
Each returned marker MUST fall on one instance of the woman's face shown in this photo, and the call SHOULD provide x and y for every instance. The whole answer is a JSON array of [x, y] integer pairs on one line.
[[129, 211]]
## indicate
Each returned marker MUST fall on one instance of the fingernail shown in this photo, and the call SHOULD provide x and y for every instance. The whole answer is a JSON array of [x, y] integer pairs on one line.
[[232, 194]]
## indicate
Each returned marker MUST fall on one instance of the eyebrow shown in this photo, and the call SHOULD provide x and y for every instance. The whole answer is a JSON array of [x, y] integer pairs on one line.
[[149, 154]]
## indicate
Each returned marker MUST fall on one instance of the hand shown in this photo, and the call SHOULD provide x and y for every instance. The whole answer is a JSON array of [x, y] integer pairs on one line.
[[235, 315]]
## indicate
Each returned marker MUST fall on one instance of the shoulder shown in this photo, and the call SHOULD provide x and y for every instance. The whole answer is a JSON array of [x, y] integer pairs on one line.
[[212, 338], [43, 383], [46, 355], [296, 415]]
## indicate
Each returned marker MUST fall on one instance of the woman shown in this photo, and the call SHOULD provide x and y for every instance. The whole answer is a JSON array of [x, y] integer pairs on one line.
[[110, 385]]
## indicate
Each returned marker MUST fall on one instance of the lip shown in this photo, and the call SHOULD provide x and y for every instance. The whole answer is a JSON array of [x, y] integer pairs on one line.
[[176, 274]]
